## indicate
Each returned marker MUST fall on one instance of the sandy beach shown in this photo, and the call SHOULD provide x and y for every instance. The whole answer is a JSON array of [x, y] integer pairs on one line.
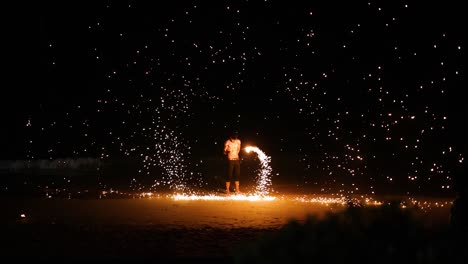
[[156, 227]]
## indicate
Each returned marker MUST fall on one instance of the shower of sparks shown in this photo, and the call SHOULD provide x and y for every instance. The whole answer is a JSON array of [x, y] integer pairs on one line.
[[264, 176], [169, 157], [368, 103]]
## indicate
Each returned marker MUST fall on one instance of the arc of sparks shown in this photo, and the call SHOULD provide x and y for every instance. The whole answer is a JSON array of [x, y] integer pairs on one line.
[[264, 179]]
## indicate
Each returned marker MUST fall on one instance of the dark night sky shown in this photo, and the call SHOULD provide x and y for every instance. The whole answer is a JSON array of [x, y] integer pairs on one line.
[[361, 92]]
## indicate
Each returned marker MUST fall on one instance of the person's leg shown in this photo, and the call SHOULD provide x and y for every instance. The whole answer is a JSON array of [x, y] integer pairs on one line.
[[237, 187], [229, 176], [237, 175]]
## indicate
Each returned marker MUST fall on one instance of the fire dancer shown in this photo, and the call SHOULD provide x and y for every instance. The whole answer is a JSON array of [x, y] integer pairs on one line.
[[232, 147]]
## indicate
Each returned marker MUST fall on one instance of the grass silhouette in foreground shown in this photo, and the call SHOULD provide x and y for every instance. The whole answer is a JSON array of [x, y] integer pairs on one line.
[[384, 234]]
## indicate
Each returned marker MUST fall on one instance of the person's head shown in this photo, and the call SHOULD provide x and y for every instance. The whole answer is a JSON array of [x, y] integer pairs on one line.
[[234, 135]]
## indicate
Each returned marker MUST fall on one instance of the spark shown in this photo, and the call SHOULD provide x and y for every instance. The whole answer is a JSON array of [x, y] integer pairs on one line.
[[264, 179]]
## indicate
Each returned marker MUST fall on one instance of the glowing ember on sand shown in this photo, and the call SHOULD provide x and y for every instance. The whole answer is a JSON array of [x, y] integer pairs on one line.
[[240, 197]]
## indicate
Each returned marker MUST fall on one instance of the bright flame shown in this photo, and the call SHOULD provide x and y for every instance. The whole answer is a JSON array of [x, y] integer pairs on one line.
[[264, 181], [327, 201], [241, 197], [249, 149]]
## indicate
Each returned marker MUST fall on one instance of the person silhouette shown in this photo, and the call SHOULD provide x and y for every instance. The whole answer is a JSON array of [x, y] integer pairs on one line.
[[232, 147]]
